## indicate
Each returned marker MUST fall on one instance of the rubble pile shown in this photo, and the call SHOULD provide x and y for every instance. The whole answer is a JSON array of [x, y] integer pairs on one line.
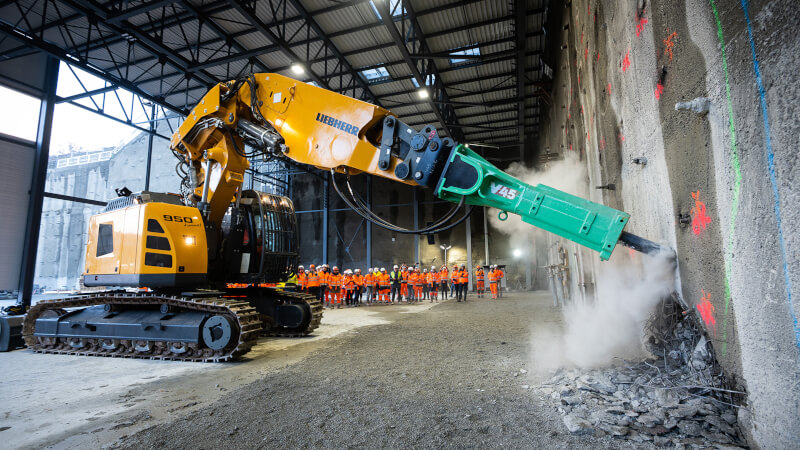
[[678, 398]]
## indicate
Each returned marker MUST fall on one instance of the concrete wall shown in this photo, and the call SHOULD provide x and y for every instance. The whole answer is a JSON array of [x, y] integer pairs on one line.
[[733, 171], [62, 239]]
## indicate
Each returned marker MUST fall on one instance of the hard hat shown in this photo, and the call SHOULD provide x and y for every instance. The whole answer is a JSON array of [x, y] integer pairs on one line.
[[425, 270], [358, 270], [335, 267], [395, 267], [383, 269], [300, 267], [348, 272], [312, 266], [433, 267]]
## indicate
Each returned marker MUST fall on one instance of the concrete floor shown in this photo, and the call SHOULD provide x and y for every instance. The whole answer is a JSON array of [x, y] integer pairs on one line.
[[457, 359]]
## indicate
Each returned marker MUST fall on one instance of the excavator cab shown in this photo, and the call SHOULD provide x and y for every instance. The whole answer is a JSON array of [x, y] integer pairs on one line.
[[260, 242]]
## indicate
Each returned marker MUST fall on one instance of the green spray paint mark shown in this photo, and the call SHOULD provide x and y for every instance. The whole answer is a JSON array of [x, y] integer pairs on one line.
[[737, 182]]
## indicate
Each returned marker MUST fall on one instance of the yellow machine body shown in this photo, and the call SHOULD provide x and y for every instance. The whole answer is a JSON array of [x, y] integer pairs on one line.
[[146, 245]]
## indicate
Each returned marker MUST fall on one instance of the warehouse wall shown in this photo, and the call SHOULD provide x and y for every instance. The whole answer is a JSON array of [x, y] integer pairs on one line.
[[732, 171]]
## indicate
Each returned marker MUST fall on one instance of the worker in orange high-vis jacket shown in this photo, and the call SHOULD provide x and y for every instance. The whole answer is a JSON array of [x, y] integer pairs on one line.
[[423, 277], [301, 278], [312, 282], [359, 280], [433, 276], [434, 282], [463, 283], [479, 281], [500, 276], [323, 283], [404, 282], [384, 282], [444, 278], [335, 287], [493, 281], [453, 280], [415, 279], [370, 282], [430, 285], [348, 288]]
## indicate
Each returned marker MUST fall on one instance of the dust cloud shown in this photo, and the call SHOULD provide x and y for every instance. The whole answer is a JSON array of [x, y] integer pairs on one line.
[[629, 286]]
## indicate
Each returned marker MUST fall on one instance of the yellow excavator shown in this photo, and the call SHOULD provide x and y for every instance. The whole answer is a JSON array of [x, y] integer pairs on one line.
[[195, 250]]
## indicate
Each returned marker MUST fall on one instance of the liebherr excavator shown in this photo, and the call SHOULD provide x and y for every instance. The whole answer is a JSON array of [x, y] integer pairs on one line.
[[189, 249]]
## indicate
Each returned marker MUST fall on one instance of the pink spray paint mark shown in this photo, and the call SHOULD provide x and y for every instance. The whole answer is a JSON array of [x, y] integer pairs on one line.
[[640, 23], [586, 54], [699, 218], [659, 90], [706, 310], [626, 61], [609, 88]]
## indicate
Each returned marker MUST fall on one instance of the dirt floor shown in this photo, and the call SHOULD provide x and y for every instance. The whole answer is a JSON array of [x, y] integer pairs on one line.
[[447, 375]]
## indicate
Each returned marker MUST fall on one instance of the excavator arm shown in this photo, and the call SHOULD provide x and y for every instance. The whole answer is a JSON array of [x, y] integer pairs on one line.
[[285, 118]]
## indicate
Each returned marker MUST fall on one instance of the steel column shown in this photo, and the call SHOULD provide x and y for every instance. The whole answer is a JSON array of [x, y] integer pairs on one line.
[[325, 197], [415, 207], [485, 237], [469, 253], [150, 147], [34, 219], [369, 224]]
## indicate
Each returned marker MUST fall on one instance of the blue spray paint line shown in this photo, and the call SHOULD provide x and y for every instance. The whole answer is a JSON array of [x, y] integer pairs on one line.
[[771, 165]]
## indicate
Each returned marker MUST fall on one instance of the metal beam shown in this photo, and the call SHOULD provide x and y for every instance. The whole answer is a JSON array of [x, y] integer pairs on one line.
[[91, 93], [439, 91], [136, 10], [310, 22], [143, 39], [284, 47], [38, 179]]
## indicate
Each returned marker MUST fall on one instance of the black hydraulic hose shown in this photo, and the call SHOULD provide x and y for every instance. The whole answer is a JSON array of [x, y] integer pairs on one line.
[[364, 212], [446, 218]]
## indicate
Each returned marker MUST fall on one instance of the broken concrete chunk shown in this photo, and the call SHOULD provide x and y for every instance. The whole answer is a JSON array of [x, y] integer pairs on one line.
[[577, 426], [690, 428]]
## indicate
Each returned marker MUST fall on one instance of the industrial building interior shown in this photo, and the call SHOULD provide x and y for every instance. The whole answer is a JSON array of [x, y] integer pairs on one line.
[[399, 224]]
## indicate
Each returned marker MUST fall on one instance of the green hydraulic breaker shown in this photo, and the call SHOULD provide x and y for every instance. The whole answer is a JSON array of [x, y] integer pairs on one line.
[[590, 224]]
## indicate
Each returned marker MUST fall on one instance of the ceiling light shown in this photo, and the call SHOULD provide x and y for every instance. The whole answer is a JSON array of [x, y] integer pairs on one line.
[[423, 93], [298, 69]]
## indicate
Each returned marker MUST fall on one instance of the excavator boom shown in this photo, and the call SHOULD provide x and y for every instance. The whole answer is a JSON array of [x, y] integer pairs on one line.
[[314, 126]]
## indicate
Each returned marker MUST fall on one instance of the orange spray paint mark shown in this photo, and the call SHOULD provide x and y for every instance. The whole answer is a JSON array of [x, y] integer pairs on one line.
[[699, 218], [659, 90], [609, 88], [626, 61], [706, 310], [669, 44]]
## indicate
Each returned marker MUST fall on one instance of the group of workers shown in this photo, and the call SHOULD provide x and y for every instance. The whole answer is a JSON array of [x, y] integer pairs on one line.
[[403, 283]]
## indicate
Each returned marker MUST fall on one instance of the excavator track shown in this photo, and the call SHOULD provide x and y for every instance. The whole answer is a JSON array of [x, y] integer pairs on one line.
[[298, 298], [245, 319]]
